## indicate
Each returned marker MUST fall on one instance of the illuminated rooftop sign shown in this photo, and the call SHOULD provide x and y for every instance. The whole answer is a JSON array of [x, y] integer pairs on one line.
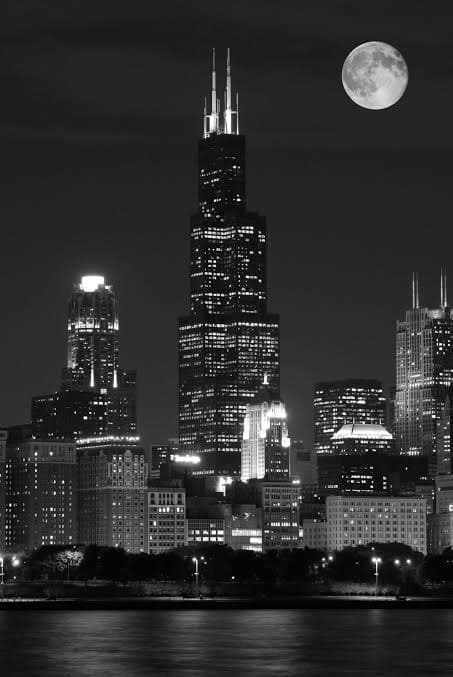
[[185, 458]]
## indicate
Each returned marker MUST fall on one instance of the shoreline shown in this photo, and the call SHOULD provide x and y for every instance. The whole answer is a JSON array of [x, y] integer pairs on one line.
[[173, 603]]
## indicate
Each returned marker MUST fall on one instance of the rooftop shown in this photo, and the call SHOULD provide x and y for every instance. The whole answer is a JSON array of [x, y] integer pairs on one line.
[[366, 431]]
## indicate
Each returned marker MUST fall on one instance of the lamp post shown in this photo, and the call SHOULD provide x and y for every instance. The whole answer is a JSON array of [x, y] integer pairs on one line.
[[377, 561], [2, 572], [195, 560]]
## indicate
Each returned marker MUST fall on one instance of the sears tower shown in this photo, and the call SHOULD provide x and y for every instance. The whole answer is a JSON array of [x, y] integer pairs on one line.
[[229, 343]]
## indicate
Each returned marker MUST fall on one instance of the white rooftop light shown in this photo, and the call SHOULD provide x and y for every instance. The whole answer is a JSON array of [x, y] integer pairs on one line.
[[362, 431], [91, 282]]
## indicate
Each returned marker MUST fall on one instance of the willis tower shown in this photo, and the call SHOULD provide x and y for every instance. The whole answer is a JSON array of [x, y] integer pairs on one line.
[[229, 343]]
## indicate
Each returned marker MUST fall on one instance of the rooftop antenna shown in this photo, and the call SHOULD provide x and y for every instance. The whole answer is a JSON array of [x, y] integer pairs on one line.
[[415, 296], [443, 288]]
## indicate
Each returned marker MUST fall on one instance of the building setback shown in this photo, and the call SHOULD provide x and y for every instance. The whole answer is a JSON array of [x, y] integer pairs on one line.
[[229, 341], [336, 403], [358, 520], [424, 374]]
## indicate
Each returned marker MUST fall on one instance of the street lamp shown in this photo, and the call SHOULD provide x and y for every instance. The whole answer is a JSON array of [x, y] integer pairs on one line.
[[377, 561], [2, 571], [195, 560]]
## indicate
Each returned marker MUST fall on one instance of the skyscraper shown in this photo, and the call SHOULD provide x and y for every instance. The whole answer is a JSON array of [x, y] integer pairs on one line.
[[424, 374], [265, 444], [97, 397], [229, 341], [337, 403]]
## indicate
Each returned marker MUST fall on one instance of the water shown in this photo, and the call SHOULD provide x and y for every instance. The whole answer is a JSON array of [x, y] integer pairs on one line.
[[229, 642]]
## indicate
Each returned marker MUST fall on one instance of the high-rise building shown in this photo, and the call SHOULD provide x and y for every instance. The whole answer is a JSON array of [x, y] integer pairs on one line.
[[112, 479], [3, 441], [304, 468], [363, 459], [424, 374], [97, 396], [229, 341], [265, 443], [40, 479], [350, 401]]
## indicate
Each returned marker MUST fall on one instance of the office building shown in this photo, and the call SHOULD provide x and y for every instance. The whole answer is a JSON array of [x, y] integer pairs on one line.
[[314, 534], [358, 439], [265, 441], [112, 479], [3, 441], [40, 478], [97, 396], [205, 531], [246, 527], [424, 374], [304, 469], [337, 403], [229, 341], [358, 520], [440, 532], [280, 515], [166, 519]]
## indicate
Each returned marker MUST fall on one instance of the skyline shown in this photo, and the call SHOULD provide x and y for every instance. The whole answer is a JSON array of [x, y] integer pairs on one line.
[[116, 176]]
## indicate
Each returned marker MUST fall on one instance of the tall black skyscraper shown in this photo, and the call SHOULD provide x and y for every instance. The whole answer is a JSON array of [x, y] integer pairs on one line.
[[424, 377], [97, 397], [228, 342]]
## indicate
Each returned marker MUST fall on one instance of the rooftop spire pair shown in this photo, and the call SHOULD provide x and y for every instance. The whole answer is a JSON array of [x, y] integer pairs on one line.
[[443, 290], [211, 121]]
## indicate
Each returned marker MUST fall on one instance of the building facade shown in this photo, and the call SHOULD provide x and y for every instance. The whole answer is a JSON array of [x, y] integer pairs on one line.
[[3, 441], [280, 515], [229, 341], [40, 478], [314, 534], [112, 480], [204, 531], [265, 450], [359, 520], [336, 403], [166, 519], [424, 374]]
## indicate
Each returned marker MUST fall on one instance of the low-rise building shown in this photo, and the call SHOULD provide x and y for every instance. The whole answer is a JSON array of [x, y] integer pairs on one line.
[[358, 520], [280, 506], [204, 531]]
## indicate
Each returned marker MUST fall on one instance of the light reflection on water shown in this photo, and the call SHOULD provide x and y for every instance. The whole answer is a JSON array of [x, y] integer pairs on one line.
[[210, 643]]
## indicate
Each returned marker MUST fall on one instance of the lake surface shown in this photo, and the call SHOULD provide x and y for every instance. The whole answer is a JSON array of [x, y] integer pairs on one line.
[[229, 642]]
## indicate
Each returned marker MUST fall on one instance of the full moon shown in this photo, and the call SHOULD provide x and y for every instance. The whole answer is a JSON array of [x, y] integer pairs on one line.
[[375, 75]]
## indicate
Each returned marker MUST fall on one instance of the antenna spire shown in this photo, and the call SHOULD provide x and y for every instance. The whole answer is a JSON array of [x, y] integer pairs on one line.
[[443, 288], [415, 296]]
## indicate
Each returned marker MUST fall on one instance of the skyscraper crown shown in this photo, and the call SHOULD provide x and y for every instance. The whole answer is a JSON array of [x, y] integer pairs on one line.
[[211, 121]]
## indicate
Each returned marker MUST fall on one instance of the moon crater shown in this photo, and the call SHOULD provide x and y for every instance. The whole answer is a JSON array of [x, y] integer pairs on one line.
[[375, 75]]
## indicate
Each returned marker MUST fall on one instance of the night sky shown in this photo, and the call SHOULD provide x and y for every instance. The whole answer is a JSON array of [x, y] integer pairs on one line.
[[100, 114]]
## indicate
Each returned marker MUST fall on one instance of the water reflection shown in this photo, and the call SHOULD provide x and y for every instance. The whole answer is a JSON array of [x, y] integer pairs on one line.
[[206, 643]]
